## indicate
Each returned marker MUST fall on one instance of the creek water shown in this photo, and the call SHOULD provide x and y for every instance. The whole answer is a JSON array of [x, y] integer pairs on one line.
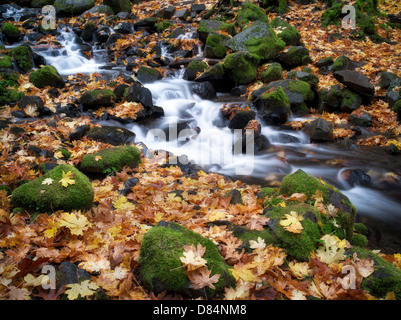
[[206, 140]]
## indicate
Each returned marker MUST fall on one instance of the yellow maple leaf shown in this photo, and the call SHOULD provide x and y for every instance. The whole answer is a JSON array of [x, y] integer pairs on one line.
[[243, 272], [192, 258], [67, 179], [77, 223], [292, 222], [83, 289], [333, 249], [299, 269]]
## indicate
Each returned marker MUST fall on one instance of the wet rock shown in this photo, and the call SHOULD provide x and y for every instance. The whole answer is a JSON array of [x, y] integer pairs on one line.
[[193, 68], [124, 28], [362, 119], [148, 75], [112, 135], [118, 5], [389, 80], [357, 177], [79, 132], [274, 106], [205, 90], [216, 76], [356, 82], [32, 105], [319, 130], [97, 98], [138, 93], [72, 7], [241, 119]]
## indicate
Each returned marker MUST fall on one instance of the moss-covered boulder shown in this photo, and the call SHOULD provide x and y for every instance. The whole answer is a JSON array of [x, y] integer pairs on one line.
[[274, 106], [161, 268], [72, 7], [279, 6], [259, 38], [111, 159], [9, 87], [286, 32], [118, 5], [5, 61], [23, 58], [46, 76], [216, 45], [298, 92], [386, 277], [241, 67], [113, 135], [10, 32], [207, 26], [297, 245], [310, 78], [271, 72], [295, 56], [48, 194], [248, 13], [148, 75], [193, 68], [301, 182], [217, 77], [97, 98]]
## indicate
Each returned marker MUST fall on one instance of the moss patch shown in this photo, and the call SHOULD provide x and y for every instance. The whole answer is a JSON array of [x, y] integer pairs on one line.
[[111, 159], [160, 265], [37, 196], [46, 76], [241, 67]]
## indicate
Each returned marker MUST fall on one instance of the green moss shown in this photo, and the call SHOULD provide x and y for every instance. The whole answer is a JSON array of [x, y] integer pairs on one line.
[[277, 97], [246, 235], [303, 88], [22, 57], [250, 12], [241, 67], [385, 278], [298, 245], [5, 61], [341, 63], [215, 45], [301, 182], [9, 29], [111, 159], [286, 32], [271, 72], [163, 25], [397, 108], [9, 88], [46, 76], [160, 265], [38, 196]]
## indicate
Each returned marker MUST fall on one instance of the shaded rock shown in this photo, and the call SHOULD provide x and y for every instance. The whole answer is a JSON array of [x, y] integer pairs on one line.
[[319, 130], [294, 57], [148, 75], [112, 135], [69, 273], [362, 119], [216, 45], [389, 80], [350, 101], [217, 77], [312, 79], [271, 72], [138, 93], [356, 82], [193, 68], [241, 119], [205, 90], [97, 98], [274, 106], [72, 7], [341, 63], [31, 105], [10, 32], [128, 185], [118, 5]]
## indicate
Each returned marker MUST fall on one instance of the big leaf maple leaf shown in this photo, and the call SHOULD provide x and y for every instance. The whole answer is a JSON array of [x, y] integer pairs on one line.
[[292, 222], [193, 257], [201, 278], [75, 222], [67, 179]]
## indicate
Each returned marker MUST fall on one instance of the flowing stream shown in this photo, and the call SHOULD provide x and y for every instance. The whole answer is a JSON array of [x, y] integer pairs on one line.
[[206, 140]]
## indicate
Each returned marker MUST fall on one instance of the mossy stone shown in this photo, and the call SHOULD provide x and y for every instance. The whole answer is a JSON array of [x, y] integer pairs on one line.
[[215, 45], [250, 12], [46, 76], [118, 5], [297, 245], [97, 98], [241, 67], [259, 38], [301, 182], [271, 72], [5, 61], [274, 106], [23, 58], [341, 63], [386, 277], [111, 159], [37, 196], [72, 7], [193, 68], [207, 26], [286, 32], [11, 32], [160, 265]]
